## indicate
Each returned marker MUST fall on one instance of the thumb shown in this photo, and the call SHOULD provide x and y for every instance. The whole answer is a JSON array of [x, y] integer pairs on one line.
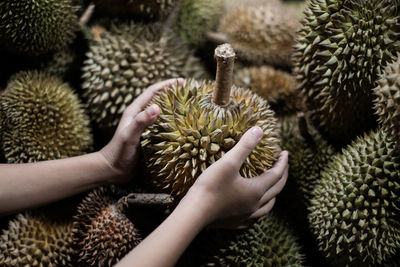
[[245, 145], [141, 121]]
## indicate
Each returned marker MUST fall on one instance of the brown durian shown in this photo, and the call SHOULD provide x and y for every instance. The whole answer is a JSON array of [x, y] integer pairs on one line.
[[387, 102], [102, 233], [36, 241], [196, 129], [261, 33], [43, 119], [128, 59], [277, 87]]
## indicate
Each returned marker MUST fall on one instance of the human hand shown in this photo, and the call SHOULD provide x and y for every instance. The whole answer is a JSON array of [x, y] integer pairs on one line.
[[121, 152], [228, 200]]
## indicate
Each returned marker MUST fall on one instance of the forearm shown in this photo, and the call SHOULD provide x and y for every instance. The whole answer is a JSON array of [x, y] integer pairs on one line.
[[164, 246], [33, 184]]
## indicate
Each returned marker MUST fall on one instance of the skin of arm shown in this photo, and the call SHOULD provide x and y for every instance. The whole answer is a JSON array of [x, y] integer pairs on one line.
[[220, 197], [30, 185]]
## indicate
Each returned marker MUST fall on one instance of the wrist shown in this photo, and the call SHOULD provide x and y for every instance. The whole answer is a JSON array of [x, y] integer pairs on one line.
[[111, 174]]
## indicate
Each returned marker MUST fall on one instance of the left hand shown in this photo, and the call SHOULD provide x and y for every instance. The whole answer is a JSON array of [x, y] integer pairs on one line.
[[121, 152]]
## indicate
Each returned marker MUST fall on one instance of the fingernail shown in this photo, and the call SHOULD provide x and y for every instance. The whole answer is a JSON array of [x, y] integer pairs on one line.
[[257, 132], [153, 110]]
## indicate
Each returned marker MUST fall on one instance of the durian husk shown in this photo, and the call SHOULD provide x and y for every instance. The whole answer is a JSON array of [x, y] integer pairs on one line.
[[140, 9], [43, 119], [36, 241], [354, 213], [341, 49], [387, 102], [37, 27], [192, 133], [195, 18], [128, 59], [102, 233], [268, 242], [261, 33], [277, 87]]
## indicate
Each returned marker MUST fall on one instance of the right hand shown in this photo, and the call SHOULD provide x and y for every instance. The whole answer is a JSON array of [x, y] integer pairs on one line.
[[228, 200]]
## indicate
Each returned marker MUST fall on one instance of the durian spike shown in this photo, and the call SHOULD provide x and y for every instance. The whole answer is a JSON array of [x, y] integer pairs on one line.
[[87, 15], [141, 199], [303, 128], [216, 37], [225, 56]]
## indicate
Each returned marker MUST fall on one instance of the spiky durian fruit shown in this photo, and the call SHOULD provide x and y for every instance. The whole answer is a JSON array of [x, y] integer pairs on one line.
[[136, 8], [387, 102], [44, 119], [268, 242], [128, 59], [36, 241], [309, 154], [102, 233], [277, 87], [37, 27], [261, 33], [196, 128], [195, 18], [356, 205], [342, 47]]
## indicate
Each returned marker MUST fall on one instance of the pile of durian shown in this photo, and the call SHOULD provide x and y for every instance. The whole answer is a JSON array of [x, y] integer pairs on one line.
[[320, 77]]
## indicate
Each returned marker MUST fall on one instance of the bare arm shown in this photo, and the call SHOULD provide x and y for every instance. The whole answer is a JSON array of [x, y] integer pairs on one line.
[[220, 196], [33, 184]]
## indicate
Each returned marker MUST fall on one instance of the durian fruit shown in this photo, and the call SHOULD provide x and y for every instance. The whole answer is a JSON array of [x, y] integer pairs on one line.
[[37, 27], [143, 9], [195, 18], [309, 154], [102, 233], [268, 242], [199, 122], [44, 119], [261, 33], [128, 59], [342, 47], [36, 241], [277, 87], [387, 102], [355, 211]]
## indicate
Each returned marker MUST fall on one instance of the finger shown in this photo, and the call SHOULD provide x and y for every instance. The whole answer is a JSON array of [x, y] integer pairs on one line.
[[131, 133], [244, 147], [143, 100], [271, 176], [275, 189], [263, 210]]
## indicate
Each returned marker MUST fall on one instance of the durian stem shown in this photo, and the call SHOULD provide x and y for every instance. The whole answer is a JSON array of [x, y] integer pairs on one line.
[[173, 15], [216, 37], [87, 14], [225, 56], [303, 128], [141, 199]]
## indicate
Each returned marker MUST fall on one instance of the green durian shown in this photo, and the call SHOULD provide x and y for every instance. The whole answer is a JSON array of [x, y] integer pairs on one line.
[[142, 9], [261, 34], [102, 233], [268, 242], [387, 102], [36, 241], [44, 119], [37, 27], [195, 18], [342, 47], [355, 209], [309, 154], [128, 59]]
